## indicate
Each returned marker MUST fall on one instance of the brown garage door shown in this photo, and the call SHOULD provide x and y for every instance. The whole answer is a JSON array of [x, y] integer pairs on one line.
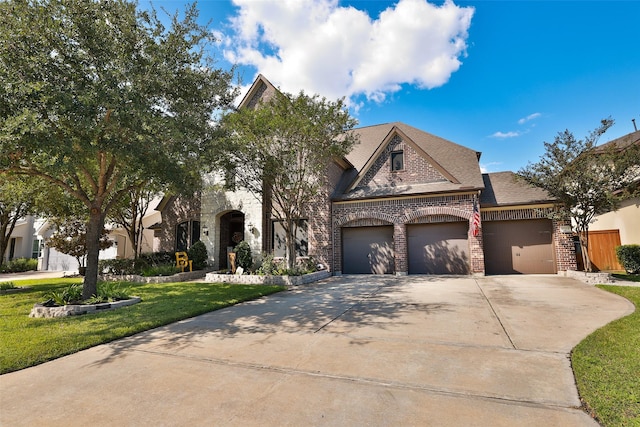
[[367, 250], [441, 248], [518, 247]]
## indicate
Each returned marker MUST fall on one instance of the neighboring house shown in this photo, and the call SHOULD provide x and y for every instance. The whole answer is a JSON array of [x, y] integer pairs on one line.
[[401, 202], [615, 228], [21, 241], [30, 235]]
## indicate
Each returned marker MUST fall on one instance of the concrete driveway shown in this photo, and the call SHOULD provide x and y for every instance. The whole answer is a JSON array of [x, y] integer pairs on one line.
[[358, 350]]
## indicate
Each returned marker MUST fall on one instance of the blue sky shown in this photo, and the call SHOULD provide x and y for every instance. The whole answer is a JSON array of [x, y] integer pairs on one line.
[[499, 77]]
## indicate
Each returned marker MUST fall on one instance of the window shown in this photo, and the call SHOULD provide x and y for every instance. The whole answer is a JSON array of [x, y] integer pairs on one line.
[[397, 161], [36, 250], [278, 244], [187, 233]]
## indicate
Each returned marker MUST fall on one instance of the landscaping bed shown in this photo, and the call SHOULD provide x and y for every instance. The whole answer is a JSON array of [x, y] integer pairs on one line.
[[256, 279], [40, 310]]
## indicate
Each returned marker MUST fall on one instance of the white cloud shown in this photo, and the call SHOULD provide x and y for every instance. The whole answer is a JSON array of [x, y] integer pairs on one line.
[[321, 47], [484, 167], [529, 118], [504, 135]]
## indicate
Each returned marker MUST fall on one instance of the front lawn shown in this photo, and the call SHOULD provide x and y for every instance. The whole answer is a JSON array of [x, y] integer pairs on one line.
[[27, 342], [607, 367]]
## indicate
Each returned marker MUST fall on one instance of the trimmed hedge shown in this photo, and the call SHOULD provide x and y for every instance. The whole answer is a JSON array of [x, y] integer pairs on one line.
[[629, 257], [19, 265]]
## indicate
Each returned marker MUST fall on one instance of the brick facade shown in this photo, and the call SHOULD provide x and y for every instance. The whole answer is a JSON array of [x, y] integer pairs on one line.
[[402, 211]]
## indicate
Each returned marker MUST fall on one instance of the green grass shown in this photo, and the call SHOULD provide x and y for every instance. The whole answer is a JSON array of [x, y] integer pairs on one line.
[[607, 367], [27, 342]]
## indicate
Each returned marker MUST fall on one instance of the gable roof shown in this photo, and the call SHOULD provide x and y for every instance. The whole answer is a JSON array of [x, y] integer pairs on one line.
[[458, 164], [504, 189], [260, 90]]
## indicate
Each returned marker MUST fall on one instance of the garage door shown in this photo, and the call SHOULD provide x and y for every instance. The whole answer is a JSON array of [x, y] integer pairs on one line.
[[367, 250], [440, 248], [518, 247]]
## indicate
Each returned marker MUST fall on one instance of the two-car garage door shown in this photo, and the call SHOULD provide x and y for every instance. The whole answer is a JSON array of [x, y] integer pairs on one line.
[[440, 248]]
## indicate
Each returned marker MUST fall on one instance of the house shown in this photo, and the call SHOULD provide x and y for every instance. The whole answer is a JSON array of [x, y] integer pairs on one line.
[[29, 240], [619, 227], [401, 202]]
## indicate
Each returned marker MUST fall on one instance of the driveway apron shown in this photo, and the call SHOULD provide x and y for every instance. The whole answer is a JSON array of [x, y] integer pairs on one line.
[[351, 350]]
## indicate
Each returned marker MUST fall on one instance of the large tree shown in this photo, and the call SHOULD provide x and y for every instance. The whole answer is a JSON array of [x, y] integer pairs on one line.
[[280, 151], [587, 180], [98, 97]]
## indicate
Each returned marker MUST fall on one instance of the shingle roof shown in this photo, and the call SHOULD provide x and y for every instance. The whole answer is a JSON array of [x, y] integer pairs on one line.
[[503, 189], [622, 142], [460, 162]]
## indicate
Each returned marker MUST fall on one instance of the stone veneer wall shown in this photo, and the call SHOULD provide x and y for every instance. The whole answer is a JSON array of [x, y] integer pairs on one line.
[[216, 202], [402, 211]]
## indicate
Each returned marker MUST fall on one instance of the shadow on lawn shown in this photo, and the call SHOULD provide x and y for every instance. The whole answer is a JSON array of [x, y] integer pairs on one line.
[[356, 301]]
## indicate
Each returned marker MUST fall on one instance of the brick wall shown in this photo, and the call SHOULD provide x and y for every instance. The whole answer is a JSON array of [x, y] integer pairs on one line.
[[417, 170], [402, 211]]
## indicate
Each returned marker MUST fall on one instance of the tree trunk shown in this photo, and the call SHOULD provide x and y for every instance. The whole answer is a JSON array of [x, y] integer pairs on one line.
[[290, 243], [584, 244], [94, 231]]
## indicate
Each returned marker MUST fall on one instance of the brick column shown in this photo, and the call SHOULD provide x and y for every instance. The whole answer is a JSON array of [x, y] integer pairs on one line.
[[400, 249], [564, 246]]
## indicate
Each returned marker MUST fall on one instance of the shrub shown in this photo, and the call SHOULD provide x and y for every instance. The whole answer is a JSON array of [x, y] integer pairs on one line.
[[243, 255], [19, 265], [159, 258], [122, 266], [271, 266], [69, 295], [629, 257], [198, 254], [7, 285], [160, 270], [109, 291]]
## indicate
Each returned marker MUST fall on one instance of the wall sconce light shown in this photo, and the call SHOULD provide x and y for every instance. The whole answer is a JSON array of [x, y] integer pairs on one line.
[[205, 230]]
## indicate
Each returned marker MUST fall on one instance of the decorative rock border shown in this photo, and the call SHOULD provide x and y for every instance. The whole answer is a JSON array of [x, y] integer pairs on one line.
[[254, 279], [590, 278], [179, 277], [15, 290], [39, 310]]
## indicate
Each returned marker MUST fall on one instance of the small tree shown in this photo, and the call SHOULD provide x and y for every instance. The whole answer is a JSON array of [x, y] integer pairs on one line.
[[280, 151], [71, 238], [585, 180], [131, 211]]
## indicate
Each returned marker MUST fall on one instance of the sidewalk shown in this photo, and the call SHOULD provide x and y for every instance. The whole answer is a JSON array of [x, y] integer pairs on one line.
[[9, 277]]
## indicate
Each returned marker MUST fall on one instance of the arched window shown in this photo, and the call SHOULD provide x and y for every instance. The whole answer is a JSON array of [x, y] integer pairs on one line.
[[187, 233]]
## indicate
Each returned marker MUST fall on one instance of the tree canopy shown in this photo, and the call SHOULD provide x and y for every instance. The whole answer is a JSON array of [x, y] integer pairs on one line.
[[585, 179], [281, 151], [98, 97]]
